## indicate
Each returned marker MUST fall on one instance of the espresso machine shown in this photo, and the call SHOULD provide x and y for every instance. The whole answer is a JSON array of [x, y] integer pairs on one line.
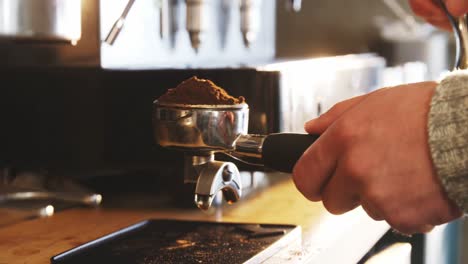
[[79, 107]]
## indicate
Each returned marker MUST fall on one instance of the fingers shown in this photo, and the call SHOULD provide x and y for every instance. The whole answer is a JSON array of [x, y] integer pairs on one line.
[[371, 210], [320, 124], [440, 23], [314, 168], [445, 211], [421, 230], [431, 12], [427, 9], [338, 198], [340, 194], [457, 7], [408, 223]]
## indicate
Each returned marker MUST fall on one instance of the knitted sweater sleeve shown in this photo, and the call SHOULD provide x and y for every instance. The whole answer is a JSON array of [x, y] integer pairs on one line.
[[448, 135]]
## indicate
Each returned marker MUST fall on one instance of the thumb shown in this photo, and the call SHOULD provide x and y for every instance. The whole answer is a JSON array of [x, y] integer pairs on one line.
[[457, 7], [321, 123]]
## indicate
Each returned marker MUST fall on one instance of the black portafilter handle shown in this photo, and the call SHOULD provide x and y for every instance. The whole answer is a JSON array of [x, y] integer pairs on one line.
[[281, 151]]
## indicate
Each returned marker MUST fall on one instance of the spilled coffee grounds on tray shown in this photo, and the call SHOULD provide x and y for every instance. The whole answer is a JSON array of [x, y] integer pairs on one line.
[[199, 91]]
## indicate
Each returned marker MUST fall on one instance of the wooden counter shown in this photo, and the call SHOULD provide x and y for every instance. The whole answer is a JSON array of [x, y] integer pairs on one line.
[[326, 238]]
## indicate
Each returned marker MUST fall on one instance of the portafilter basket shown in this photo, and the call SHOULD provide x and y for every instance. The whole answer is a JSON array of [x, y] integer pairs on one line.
[[200, 129], [204, 129]]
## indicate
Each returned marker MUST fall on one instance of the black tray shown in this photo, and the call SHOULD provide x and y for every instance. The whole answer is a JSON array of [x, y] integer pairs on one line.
[[174, 241]]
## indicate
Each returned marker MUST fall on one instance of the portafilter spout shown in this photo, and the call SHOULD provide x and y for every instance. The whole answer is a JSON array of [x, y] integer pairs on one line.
[[217, 176], [211, 177]]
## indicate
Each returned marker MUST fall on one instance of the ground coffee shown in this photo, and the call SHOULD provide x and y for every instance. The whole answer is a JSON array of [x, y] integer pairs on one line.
[[199, 91]]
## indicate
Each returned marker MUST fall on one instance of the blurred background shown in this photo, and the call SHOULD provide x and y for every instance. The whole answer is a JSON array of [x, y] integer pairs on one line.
[[79, 77]]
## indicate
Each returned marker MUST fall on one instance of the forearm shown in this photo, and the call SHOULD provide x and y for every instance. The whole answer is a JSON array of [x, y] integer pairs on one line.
[[448, 136]]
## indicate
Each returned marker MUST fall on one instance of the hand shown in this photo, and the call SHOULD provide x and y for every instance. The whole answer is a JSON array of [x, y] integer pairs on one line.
[[373, 151], [432, 12]]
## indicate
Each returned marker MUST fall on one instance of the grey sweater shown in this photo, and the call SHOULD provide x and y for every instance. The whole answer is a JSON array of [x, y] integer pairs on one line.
[[448, 135]]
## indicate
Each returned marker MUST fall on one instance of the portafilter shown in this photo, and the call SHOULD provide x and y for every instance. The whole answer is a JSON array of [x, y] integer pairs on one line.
[[200, 131]]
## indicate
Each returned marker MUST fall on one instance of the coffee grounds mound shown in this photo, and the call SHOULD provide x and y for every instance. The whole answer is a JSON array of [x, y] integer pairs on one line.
[[197, 91]]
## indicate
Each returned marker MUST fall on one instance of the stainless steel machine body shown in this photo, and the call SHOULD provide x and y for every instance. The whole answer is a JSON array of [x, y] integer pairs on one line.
[[41, 20]]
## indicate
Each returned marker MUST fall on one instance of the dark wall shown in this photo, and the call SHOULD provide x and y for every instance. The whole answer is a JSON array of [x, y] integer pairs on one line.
[[84, 119]]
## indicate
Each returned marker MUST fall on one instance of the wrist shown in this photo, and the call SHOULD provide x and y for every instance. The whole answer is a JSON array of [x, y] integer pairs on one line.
[[448, 135]]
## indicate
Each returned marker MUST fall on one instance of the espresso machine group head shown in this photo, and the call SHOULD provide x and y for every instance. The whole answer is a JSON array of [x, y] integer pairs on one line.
[[200, 131]]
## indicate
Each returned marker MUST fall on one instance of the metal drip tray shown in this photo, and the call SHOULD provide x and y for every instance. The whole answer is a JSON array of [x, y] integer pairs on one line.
[[174, 241]]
